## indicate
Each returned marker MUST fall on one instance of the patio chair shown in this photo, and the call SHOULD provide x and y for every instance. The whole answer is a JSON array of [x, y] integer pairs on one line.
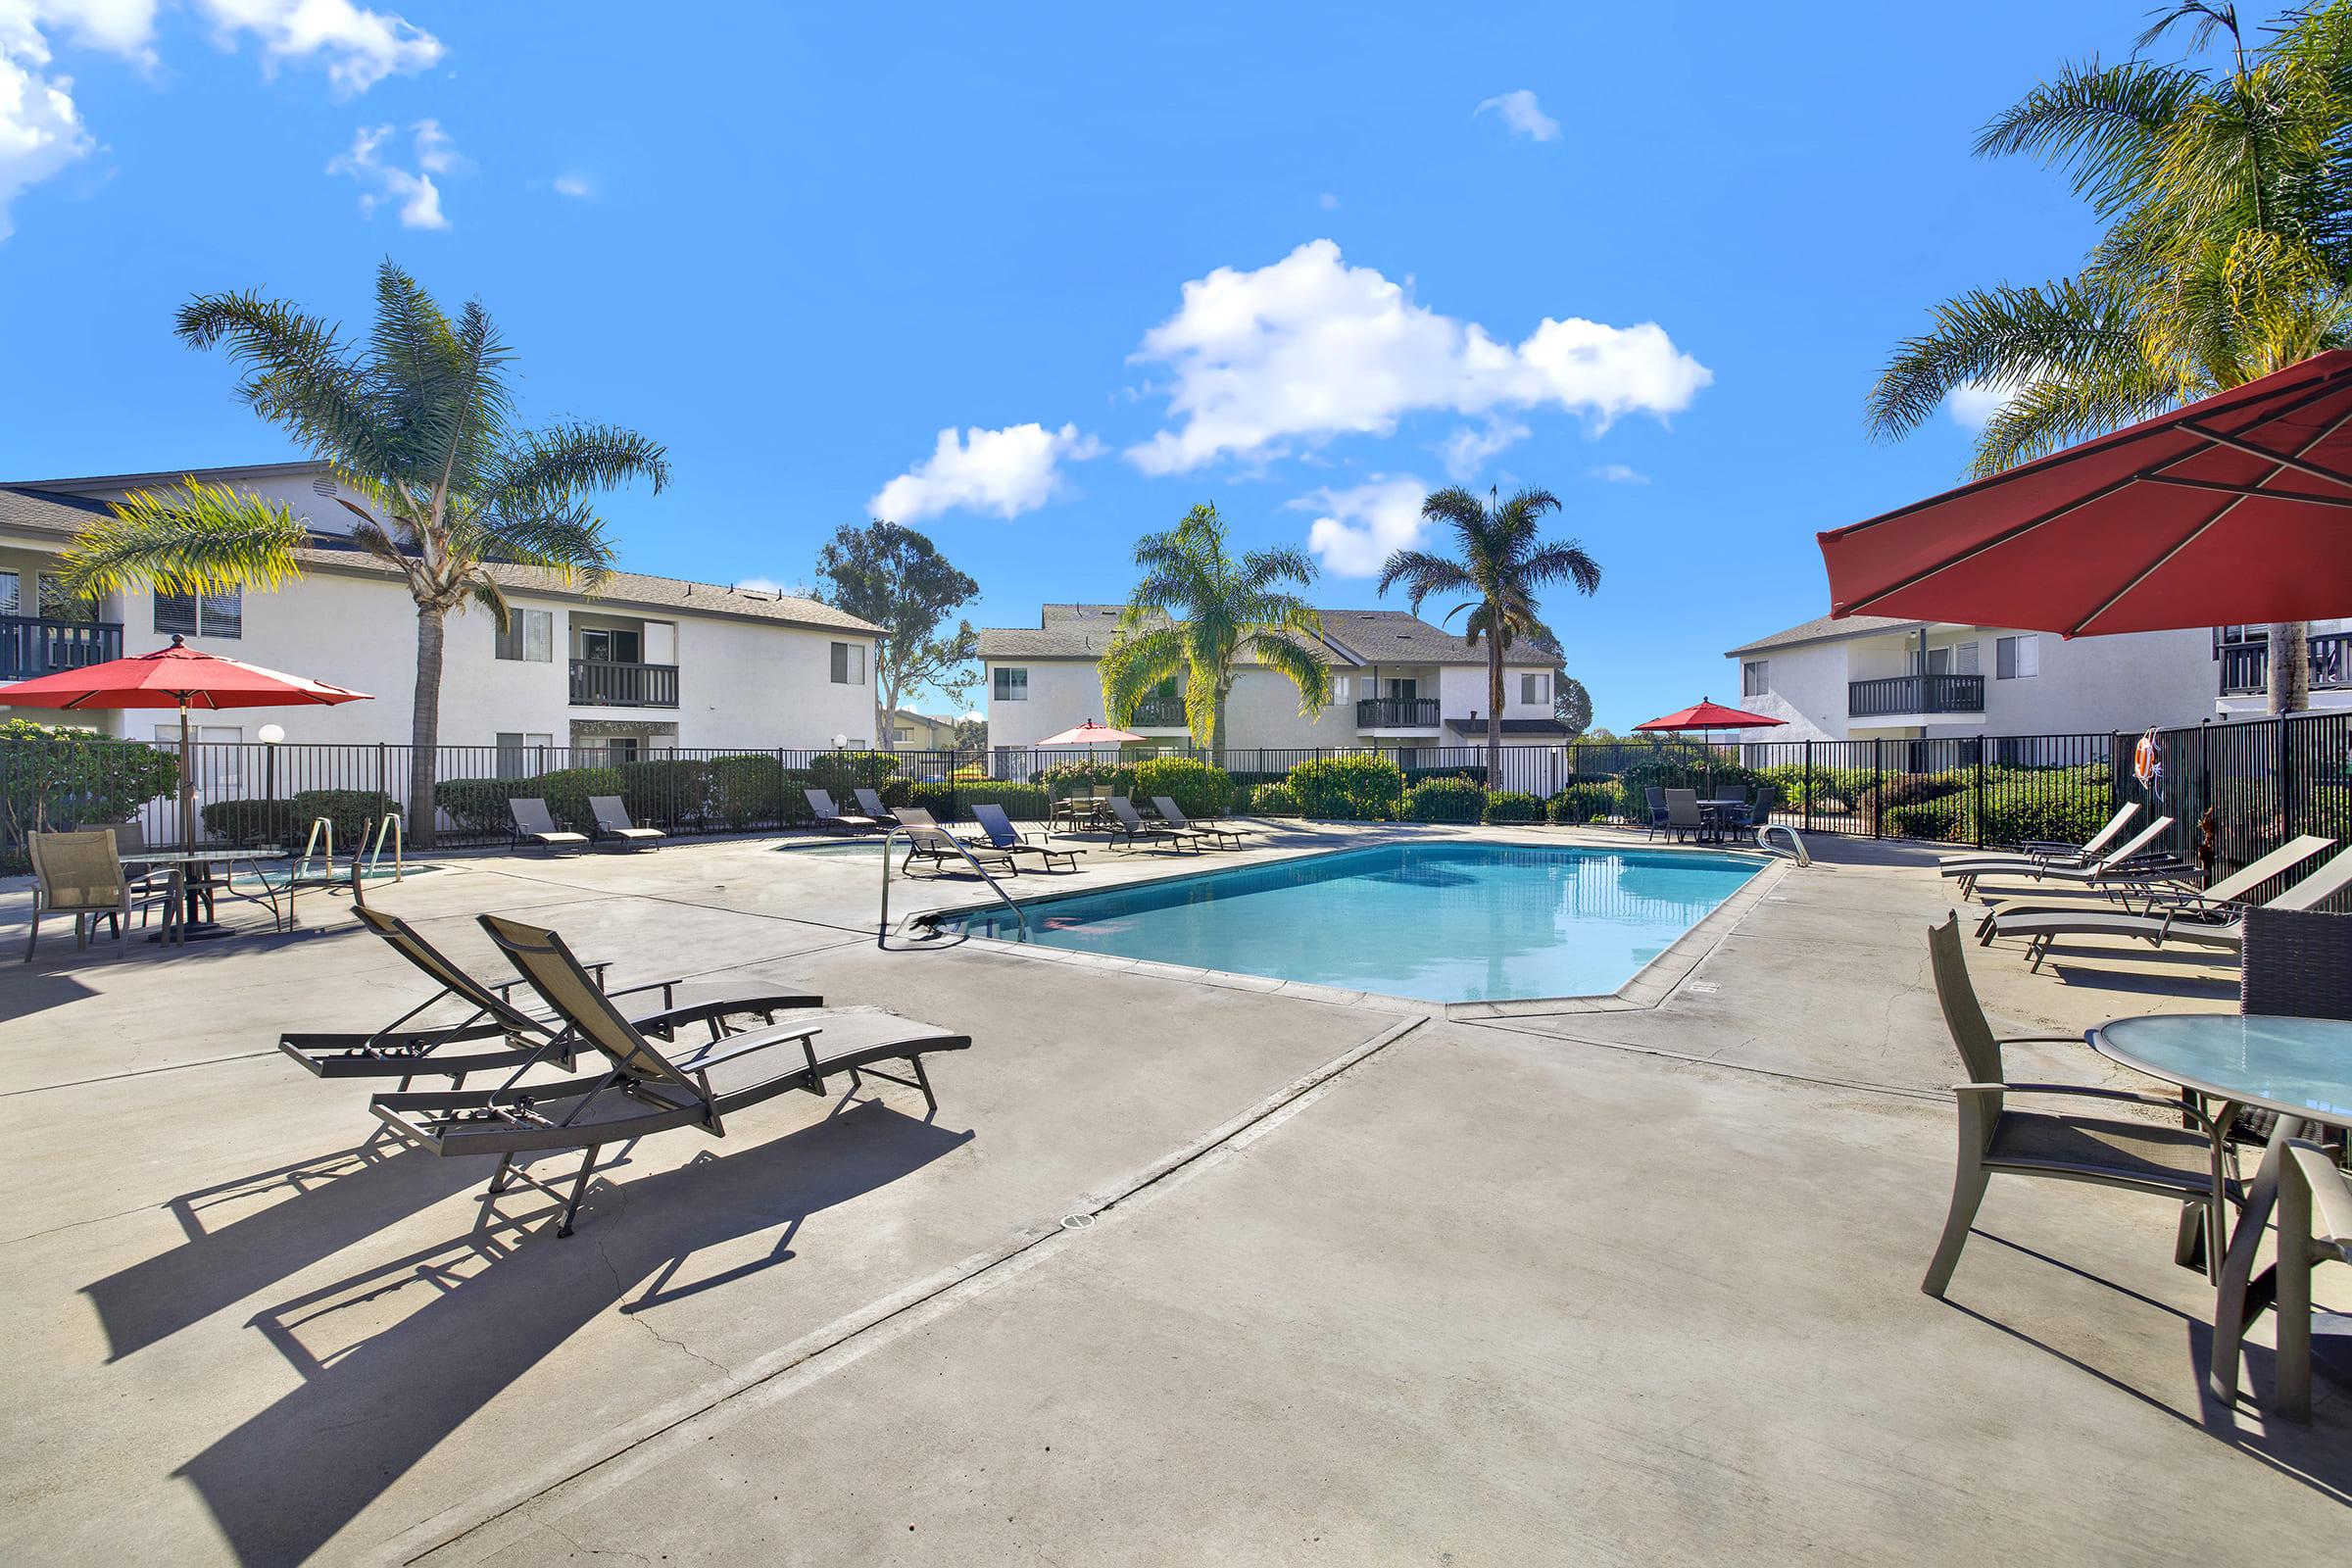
[[405, 1049], [80, 875], [2315, 1226], [2210, 900], [2188, 1164], [1126, 823], [926, 840], [870, 803], [613, 823], [1002, 835], [832, 819], [1683, 816], [533, 823], [2192, 923], [1224, 838], [645, 1091], [1659, 817]]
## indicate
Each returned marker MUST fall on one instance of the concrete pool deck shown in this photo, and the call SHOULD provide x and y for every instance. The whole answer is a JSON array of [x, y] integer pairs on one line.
[[1181, 1272]]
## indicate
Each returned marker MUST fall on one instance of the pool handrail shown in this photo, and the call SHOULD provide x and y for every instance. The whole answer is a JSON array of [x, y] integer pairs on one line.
[[882, 931]]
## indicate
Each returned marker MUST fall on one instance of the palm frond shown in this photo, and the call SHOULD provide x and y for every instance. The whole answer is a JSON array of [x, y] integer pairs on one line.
[[1422, 576], [1137, 665], [297, 372], [1306, 670], [2004, 337], [2055, 413], [1562, 562], [194, 538], [552, 467], [2104, 127], [485, 593]]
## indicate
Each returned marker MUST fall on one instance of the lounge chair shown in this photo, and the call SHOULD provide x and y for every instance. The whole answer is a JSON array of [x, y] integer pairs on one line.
[[1683, 814], [2211, 901], [644, 1090], [2132, 863], [80, 875], [613, 823], [1126, 823], [2187, 1164], [1977, 864], [834, 819], [926, 840], [1225, 838], [1002, 835], [870, 803], [532, 822], [2036, 851], [2195, 924], [406, 1050]]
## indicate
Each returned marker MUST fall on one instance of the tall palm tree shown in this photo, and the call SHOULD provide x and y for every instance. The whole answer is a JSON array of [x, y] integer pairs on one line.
[[415, 424], [1197, 612], [2228, 252], [1503, 564]]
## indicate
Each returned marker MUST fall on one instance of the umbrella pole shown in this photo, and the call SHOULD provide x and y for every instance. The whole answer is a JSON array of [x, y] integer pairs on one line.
[[188, 784]]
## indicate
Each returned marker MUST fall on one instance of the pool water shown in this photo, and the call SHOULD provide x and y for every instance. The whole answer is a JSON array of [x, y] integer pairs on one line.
[[1456, 921]]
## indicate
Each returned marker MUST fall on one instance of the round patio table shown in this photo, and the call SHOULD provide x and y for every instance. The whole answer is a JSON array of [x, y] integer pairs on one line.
[[2299, 1068]]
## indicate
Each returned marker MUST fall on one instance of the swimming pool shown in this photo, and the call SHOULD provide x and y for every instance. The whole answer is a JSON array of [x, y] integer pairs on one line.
[[1454, 921]]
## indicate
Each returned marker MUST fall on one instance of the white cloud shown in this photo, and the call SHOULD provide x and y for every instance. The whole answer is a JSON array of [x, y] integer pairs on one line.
[[1327, 202], [1973, 404], [41, 130], [1467, 450], [1357, 529], [760, 585], [576, 186], [1619, 473], [1311, 348], [1523, 115], [414, 191], [358, 46], [1006, 472]]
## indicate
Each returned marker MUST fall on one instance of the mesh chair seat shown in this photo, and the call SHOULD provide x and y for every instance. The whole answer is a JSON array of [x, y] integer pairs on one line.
[[2144, 1151]]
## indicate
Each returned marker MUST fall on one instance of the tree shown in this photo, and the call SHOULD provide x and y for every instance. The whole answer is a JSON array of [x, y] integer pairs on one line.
[[1503, 564], [971, 733], [896, 578], [415, 424], [2227, 256], [1571, 704], [1197, 612]]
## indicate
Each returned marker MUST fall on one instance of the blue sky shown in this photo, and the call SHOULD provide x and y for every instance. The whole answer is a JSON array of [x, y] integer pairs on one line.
[[1300, 262]]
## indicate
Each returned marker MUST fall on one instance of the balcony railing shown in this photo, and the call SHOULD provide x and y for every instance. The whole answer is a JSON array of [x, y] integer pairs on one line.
[[2246, 667], [1915, 693], [30, 645], [1396, 713], [596, 683], [1161, 712]]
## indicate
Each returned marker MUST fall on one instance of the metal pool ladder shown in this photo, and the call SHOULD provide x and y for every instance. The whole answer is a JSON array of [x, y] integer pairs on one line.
[[883, 930]]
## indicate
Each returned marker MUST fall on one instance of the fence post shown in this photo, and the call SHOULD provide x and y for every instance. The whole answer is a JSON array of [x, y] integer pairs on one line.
[[1980, 812], [383, 772], [1808, 778], [1878, 787], [2287, 780]]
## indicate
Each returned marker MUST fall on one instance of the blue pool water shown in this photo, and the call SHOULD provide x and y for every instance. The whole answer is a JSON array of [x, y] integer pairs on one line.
[[1458, 921]]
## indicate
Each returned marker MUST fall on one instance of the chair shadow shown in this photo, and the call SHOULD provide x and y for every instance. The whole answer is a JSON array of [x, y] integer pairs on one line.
[[502, 1301]]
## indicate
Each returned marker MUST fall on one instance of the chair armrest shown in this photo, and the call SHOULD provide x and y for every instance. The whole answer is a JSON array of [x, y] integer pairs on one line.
[[2038, 1040], [2130, 1097]]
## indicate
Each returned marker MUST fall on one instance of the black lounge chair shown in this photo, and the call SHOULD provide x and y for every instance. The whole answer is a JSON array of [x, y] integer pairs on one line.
[[1126, 823], [1002, 835], [613, 823], [870, 803], [1224, 838], [532, 822], [833, 819], [643, 1090], [404, 1049], [926, 840]]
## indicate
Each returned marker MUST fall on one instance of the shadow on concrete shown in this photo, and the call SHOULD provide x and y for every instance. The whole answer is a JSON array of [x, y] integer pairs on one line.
[[497, 1305]]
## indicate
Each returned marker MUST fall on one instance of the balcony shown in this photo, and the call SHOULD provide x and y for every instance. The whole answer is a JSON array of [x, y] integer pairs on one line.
[[603, 683], [1915, 693], [2246, 667], [1161, 712], [30, 645], [1396, 713]]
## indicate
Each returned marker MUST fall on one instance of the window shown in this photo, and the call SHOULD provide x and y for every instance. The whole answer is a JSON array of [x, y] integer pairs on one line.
[[1755, 678], [516, 749], [610, 645], [1534, 691], [2015, 658], [529, 637], [849, 663], [1964, 659], [221, 613], [9, 594], [54, 606], [1338, 690], [1007, 685]]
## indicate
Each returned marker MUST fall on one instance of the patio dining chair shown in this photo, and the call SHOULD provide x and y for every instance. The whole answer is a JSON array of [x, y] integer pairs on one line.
[[1659, 817], [1683, 816], [80, 875], [2187, 1164]]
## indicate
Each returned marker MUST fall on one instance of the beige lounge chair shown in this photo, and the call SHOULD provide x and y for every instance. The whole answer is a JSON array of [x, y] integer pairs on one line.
[[2193, 924], [926, 840], [2040, 851], [2230, 890], [533, 823], [833, 819], [1224, 838], [613, 823]]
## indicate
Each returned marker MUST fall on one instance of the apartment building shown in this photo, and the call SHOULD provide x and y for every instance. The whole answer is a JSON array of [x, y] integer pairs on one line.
[[643, 663]]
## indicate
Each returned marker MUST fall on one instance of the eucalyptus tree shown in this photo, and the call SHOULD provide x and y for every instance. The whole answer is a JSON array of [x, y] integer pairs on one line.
[[1502, 564], [896, 578], [1198, 610], [2228, 255], [415, 421]]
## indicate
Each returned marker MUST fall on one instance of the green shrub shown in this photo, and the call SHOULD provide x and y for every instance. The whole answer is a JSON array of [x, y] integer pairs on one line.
[[1196, 788], [666, 791], [839, 773], [1063, 779], [2068, 813], [1444, 800], [1583, 803], [1360, 786], [67, 778], [749, 790], [1513, 805], [1475, 772], [1685, 771], [251, 824], [950, 802], [355, 814], [1950, 818], [480, 803], [1897, 789], [1273, 800]]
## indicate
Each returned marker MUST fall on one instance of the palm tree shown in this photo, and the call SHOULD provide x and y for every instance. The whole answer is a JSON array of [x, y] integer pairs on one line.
[[1502, 564], [414, 423], [1197, 612], [2228, 254]]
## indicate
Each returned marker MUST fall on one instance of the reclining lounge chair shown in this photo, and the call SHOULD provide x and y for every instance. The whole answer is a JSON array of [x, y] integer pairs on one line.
[[532, 822], [1126, 823], [832, 819], [870, 803], [1224, 838], [2194, 923], [643, 1090], [2132, 863], [926, 840], [613, 823], [1002, 835], [2036, 851], [2230, 890]]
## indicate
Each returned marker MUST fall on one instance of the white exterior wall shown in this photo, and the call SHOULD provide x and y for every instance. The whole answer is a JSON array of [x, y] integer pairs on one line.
[[1062, 692]]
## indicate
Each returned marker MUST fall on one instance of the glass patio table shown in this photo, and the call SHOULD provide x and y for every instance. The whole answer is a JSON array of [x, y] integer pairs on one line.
[[191, 873]]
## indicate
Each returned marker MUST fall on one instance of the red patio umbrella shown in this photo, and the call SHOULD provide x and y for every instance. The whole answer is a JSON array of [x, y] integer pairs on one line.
[[1706, 714], [2237, 508], [178, 677], [1090, 733]]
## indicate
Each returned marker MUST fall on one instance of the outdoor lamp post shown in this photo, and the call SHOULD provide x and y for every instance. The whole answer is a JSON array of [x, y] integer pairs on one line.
[[270, 737]]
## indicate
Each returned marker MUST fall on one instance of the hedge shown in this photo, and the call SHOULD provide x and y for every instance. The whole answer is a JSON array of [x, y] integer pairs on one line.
[[66, 778], [1583, 803], [480, 803], [1635, 783], [753, 788], [1363, 787], [1198, 788], [949, 803], [1272, 799], [1899, 789], [1513, 805], [1444, 800]]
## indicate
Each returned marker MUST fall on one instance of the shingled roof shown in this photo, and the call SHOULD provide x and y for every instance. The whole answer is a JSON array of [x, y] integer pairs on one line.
[[1351, 638], [1823, 628]]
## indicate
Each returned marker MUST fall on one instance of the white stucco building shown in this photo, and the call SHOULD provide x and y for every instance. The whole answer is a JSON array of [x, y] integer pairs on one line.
[[1880, 677], [1396, 682], [642, 664]]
